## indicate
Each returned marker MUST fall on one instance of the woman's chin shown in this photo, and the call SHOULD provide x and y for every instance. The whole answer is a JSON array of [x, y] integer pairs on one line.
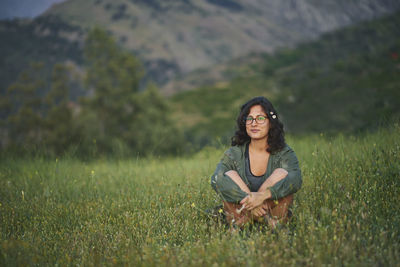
[[257, 137]]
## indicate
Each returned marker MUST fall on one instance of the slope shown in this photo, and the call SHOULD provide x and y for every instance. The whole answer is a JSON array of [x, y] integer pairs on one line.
[[175, 37], [348, 81]]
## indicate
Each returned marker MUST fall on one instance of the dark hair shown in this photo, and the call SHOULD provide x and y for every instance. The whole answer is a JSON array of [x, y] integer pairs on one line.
[[276, 138]]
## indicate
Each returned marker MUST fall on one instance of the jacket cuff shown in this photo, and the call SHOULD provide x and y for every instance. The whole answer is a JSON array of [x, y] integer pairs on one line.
[[274, 193]]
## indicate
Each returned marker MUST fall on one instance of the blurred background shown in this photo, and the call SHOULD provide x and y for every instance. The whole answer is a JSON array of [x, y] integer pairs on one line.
[[121, 78]]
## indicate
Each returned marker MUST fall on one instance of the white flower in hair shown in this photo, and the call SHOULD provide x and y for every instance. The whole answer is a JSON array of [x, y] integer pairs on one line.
[[274, 116], [271, 112]]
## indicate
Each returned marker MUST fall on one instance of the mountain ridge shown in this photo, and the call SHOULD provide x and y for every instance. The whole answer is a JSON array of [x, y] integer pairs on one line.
[[182, 35], [173, 38], [346, 81]]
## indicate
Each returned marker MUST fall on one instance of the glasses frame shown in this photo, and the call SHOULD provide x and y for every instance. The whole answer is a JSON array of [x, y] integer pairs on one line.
[[248, 122]]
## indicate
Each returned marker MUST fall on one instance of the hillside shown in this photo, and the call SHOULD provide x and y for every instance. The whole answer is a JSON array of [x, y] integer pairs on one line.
[[218, 74], [347, 81], [175, 37], [181, 35], [45, 39]]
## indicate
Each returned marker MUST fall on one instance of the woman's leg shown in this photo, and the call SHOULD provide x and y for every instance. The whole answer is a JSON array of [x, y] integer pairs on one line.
[[233, 214], [277, 211]]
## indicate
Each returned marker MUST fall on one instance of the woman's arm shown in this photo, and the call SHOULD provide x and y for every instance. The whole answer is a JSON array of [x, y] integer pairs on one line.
[[292, 182], [256, 199], [276, 176], [286, 181], [238, 180], [258, 211], [224, 185]]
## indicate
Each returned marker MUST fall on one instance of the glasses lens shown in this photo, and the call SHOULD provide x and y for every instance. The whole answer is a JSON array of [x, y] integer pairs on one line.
[[260, 119], [249, 120]]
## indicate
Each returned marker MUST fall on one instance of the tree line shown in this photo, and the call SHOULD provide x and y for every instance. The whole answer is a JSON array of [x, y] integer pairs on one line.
[[114, 117]]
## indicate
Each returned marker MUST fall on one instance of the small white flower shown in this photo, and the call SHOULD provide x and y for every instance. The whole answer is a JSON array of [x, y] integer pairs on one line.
[[238, 211], [271, 112], [274, 116]]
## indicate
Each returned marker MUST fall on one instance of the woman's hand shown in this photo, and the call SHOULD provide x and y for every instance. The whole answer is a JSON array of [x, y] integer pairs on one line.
[[254, 199], [259, 211]]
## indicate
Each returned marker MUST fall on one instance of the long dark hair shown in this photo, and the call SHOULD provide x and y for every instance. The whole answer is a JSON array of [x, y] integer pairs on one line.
[[276, 135]]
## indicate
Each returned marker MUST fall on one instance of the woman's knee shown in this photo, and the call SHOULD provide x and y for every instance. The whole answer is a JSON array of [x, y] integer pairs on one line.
[[279, 208]]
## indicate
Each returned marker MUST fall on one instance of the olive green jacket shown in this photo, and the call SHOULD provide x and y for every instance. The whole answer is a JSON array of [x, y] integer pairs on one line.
[[234, 159]]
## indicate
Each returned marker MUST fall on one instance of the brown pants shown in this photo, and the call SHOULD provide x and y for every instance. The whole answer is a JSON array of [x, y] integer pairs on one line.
[[277, 210]]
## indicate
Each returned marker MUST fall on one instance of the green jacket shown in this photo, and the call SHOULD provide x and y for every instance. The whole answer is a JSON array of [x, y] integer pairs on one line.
[[234, 159]]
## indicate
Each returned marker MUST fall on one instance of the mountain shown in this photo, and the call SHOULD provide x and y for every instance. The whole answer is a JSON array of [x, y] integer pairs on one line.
[[348, 81], [175, 37], [45, 39]]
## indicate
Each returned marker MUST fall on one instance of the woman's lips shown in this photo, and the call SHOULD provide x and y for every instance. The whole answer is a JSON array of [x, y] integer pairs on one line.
[[254, 130]]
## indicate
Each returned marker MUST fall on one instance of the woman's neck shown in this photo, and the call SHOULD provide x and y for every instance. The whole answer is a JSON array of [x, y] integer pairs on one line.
[[260, 145]]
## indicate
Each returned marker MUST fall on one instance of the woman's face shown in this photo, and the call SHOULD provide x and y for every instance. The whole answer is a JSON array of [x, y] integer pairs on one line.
[[258, 127]]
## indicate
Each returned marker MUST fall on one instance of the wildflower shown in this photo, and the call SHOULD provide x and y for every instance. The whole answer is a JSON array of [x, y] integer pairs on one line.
[[193, 205], [92, 172], [220, 210]]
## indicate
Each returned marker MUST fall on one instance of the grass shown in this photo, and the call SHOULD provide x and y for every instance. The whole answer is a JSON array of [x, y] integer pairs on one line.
[[149, 211]]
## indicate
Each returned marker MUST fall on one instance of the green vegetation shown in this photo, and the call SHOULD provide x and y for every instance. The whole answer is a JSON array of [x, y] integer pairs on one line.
[[114, 118], [119, 208], [45, 39], [347, 81], [210, 112], [145, 212]]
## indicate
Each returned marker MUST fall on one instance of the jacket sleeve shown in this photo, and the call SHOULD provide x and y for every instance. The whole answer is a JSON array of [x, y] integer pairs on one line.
[[292, 182], [225, 187]]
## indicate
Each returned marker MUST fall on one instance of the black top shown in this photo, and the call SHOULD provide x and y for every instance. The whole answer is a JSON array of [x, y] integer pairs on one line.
[[254, 180]]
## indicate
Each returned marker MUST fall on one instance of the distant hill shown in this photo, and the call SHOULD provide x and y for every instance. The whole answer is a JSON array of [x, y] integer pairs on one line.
[[348, 81], [218, 74], [175, 37], [46, 39]]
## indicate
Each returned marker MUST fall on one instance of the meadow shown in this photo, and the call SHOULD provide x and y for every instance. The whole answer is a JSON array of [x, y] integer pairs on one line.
[[150, 212]]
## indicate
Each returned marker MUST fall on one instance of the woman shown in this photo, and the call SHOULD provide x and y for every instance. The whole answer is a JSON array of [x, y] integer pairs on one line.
[[259, 173]]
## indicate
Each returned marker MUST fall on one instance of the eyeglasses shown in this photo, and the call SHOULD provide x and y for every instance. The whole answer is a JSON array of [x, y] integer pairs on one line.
[[260, 119]]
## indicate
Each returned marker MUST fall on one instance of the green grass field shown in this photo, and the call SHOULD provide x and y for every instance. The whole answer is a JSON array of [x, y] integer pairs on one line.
[[150, 211]]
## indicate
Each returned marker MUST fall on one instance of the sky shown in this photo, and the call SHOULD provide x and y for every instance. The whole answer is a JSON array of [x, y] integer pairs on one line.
[[10, 9]]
